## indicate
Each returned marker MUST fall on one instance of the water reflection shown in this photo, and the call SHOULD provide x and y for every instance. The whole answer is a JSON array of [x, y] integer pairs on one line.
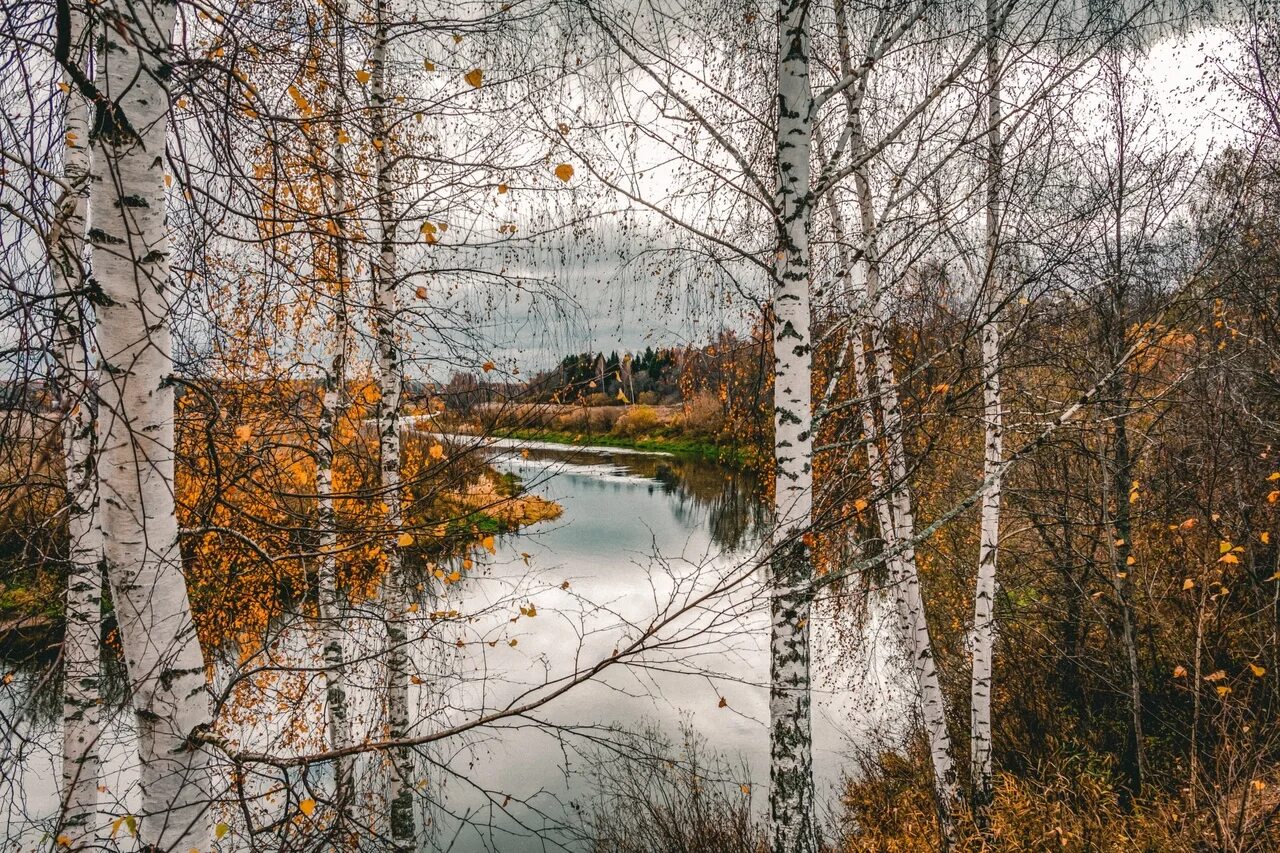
[[724, 500], [641, 536]]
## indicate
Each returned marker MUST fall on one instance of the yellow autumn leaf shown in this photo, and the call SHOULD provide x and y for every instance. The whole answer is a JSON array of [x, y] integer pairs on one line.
[[1188, 524], [1273, 497], [168, 180], [1273, 476], [436, 451], [405, 540], [413, 607], [221, 830], [860, 504], [745, 788], [1258, 671], [1229, 559], [474, 77], [564, 172], [454, 576], [64, 841], [512, 643], [1179, 672], [502, 189], [1224, 546], [363, 77], [1264, 537], [1217, 675], [428, 65], [1222, 689], [1188, 584], [487, 366], [307, 806], [487, 542], [244, 432], [299, 101]]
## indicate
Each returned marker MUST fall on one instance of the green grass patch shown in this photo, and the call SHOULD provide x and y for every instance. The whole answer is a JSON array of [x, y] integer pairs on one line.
[[728, 454]]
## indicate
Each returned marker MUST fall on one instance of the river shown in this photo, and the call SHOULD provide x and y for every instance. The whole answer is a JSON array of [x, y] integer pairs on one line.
[[643, 538]]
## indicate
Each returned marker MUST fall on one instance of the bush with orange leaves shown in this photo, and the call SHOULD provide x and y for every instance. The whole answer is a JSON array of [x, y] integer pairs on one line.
[[247, 502], [1066, 803]]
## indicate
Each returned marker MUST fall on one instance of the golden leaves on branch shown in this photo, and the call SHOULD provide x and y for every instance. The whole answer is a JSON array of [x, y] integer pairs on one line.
[[474, 78], [564, 172]]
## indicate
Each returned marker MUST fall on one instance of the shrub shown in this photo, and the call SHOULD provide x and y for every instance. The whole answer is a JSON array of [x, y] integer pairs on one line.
[[602, 419], [704, 415], [652, 798], [636, 420], [572, 420]]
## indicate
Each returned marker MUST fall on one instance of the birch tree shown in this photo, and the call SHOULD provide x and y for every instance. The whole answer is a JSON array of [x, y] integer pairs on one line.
[[993, 438], [332, 400], [406, 831], [82, 715], [791, 803], [136, 421]]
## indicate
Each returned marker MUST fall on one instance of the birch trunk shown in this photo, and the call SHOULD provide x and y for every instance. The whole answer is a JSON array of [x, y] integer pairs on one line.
[[856, 295], [330, 601], [993, 445], [933, 707], [136, 464], [81, 653], [791, 800], [405, 831]]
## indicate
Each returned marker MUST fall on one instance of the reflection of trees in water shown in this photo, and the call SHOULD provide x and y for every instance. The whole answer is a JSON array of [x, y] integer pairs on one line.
[[36, 689], [726, 500]]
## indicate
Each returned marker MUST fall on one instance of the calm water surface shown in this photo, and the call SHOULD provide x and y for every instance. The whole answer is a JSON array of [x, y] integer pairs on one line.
[[642, 537]]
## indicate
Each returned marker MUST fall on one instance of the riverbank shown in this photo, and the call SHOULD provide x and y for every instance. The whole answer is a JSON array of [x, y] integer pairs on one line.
[[726, 454]]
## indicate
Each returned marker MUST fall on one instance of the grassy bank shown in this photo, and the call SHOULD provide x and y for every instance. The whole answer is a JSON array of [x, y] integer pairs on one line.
[[701, 448]]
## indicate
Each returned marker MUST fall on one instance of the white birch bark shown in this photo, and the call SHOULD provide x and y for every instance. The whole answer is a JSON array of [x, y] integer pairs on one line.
[[330, 601], [993, 444], [81, 653], [405, 831], [791, 798], [136, 417], [855, 296], [933, 707]]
